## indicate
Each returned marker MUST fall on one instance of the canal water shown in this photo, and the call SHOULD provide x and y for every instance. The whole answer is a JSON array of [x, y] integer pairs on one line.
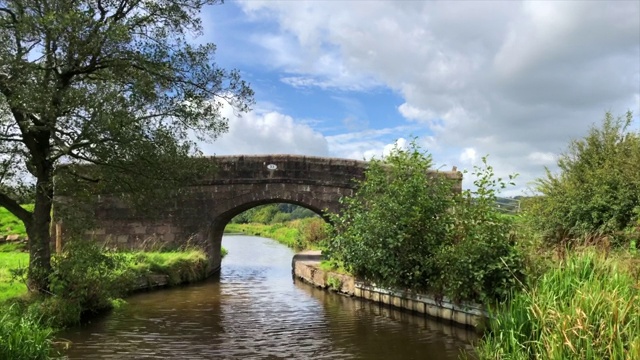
[[255, 310]]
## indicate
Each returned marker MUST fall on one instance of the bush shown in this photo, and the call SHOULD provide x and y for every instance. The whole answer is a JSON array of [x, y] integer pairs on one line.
[[481, 259], [597, 192], [312, 233], [392, 227], [85, 278], [280, 218], [409, 230]]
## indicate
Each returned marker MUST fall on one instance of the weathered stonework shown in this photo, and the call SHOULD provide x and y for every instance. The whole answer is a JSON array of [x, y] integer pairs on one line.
[[306, 267], [239, 183]]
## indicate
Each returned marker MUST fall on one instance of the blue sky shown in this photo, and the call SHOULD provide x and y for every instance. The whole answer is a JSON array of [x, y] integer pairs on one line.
[[515, 80]]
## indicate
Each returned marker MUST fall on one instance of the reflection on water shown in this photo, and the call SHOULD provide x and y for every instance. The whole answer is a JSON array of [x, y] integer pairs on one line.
[[254, 310]]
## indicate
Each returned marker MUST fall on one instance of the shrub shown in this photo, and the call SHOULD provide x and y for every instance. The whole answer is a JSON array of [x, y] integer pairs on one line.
[[392, 227], [409, 230], [312, 233], [280, 218], [597, 192], [480, 259], [85, 278]]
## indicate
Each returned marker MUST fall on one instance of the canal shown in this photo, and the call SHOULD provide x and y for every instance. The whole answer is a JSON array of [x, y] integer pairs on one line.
[[254, 310]]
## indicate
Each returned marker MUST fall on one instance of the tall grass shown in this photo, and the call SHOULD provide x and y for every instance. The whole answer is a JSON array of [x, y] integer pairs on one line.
[[586, 308], [23, 337]]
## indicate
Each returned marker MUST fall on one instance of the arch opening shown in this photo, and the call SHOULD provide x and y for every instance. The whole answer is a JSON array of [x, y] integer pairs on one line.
[[270, 209]]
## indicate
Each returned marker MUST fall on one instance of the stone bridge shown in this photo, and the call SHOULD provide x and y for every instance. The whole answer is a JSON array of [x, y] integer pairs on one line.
[[239, 183]]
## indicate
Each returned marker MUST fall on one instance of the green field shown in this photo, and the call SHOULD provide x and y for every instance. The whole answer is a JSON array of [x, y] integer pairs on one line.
[[282, 233], [11, 259], [10, 225]]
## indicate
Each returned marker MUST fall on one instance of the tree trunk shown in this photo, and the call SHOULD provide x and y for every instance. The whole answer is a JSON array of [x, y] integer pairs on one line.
[[39, 236]]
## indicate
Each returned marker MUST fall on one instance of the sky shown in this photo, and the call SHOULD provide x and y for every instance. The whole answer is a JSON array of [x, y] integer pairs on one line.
[[512, 80]]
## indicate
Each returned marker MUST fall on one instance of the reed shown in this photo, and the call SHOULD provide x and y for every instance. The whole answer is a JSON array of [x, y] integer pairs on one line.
[[23, 337], [586, 308]]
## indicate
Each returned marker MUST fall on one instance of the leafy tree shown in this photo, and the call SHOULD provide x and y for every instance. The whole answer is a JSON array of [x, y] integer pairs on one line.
[[394, 224], [112, 83], [597, 191], [407, 229]]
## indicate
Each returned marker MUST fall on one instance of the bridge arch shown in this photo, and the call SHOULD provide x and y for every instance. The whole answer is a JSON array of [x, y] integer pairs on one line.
[[237, 184]]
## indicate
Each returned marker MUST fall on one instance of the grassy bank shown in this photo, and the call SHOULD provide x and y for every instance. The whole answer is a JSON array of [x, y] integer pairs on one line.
[[85, 279], [586, 307], [308, 233], [284, 233], [11, 257]]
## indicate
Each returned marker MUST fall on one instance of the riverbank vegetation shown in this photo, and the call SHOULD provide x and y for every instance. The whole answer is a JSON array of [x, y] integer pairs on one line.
[[581, 300], [85, 279], [561, 278], [301, 234], [584, 307], [405, 228]]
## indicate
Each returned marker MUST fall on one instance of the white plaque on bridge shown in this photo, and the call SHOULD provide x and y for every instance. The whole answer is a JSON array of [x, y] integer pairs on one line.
[[272, 166]]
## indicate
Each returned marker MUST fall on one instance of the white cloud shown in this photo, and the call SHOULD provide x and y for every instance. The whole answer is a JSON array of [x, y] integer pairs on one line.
[[516, 80], [468, 156], [542, 158], [266, 132]]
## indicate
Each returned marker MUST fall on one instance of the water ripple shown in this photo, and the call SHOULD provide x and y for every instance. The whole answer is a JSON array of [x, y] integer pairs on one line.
[[256, 311]]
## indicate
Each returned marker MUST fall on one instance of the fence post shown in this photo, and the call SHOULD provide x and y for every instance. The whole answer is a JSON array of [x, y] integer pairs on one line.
[[58, 237]]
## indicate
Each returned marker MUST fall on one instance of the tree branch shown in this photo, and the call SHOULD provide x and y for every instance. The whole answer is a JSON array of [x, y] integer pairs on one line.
[[15, 208]]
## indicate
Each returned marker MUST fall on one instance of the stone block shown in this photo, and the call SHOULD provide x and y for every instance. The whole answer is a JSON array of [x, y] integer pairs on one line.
[[169, 237], [459, 317], [366, 294], [122, 239], [446, 314], [405, 304], [162, 229], [384, 298], [14, 237], [139, 229], [432, 310]]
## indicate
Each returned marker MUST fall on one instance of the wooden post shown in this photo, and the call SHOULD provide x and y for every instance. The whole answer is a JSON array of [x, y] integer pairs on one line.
[[58, 238]]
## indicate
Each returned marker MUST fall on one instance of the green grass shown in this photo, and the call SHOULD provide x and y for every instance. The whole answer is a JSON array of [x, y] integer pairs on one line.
[[22, 336], [585, 308], [331, 266], [26, 322], [181, 267], [10, 258], [284, 233], [10, 225]]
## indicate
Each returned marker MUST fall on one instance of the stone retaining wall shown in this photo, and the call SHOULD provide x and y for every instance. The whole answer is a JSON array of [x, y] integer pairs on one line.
[[472, 315]]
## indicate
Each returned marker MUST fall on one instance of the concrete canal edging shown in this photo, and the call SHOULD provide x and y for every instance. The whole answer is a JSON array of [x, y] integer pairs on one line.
[[306, 266]]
